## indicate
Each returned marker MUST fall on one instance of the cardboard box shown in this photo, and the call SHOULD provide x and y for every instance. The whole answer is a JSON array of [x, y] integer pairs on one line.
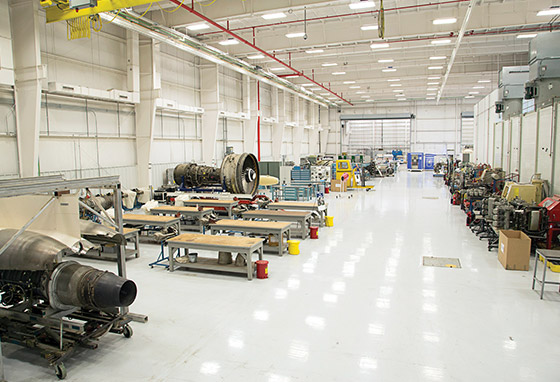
[[338, 186], [514, 250]]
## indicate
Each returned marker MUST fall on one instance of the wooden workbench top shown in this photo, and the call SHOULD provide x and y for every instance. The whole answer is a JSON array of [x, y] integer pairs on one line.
[[273, 213], [149, 218], [251, 224], [293, 204], [125, 230], [235, 241], [211, 202], [178, 209]]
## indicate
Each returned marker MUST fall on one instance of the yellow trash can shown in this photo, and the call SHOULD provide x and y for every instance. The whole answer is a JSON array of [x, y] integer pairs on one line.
[[293, 247], [329, 221]]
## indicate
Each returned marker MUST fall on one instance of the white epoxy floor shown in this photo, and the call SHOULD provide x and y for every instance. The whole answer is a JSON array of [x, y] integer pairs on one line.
[[356, 305]]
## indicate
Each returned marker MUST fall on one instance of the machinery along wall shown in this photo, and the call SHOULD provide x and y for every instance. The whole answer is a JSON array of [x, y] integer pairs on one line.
[[525, 145]]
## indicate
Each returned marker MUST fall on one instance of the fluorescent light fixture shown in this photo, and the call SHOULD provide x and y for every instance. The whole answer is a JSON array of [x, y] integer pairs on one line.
[[366, 96], [528, 35], [272, 16], [370, 100], [433, 83], [435, 67], [361, 92], [329, 64], [484, 81], [295, 34], [398, 91], [369, 27], [255, 57], [313, 51], [438, 58], [386, 61], [478, 87], [431, 94], [349, 82], [338, 73], [362, 4], [381, 45], [197, 27], [401, 99], [389, 70], [394, 80], [448, 20], [277, 69], [355, 87], [549, 12], [430, 98], [395, 85], [431, 89], [434, 78], [474, 93], [325, 94], [308, 85], [292, 76], [469, 96], [441, 42], [230, 41]]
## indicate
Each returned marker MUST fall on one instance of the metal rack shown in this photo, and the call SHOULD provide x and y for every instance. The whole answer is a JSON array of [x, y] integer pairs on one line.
[[69, 336]]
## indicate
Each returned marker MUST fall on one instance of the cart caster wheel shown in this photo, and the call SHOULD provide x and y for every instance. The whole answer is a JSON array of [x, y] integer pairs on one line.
[[127, 331], [60, 371]]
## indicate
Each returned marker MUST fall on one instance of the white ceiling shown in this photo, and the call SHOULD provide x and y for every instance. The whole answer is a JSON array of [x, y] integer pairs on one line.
[[490, 41]]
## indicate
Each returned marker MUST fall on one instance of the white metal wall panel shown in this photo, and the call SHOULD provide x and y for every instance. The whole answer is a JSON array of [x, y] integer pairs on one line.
[[555, 181], [498, 144], [528, 147], [515, 144], [544, 148], [266, 141], [506, 146]]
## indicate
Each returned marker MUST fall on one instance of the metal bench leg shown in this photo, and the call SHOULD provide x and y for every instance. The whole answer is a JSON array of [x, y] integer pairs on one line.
[[543, 277]]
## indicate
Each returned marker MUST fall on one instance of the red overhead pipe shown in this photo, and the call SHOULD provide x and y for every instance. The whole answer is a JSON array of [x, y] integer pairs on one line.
[[226, 30], [338, 16], [259, 120]]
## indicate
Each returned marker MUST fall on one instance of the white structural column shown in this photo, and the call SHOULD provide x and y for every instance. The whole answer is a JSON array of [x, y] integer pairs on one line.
[[279, 100], [314, 133], [26, 47], [250, 126], [132, 61], [210, 99], [298, 130], [326, 128], [150, 91]]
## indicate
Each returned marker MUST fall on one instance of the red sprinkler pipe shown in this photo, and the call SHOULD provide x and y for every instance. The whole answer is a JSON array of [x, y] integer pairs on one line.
[[239, 38], [259, 120]]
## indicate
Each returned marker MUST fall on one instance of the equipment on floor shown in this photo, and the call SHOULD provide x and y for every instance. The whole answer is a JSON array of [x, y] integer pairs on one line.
[[53, 305], [239, 174], [353, 174], [415, 161]]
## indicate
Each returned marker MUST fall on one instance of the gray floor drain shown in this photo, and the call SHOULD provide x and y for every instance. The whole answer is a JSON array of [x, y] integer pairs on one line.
[[443, 262]]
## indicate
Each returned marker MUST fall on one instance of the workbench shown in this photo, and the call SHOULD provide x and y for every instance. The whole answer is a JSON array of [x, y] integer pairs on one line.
[[228, 205], [547, 255], [301, 218], [192, 213], [143, 221], [302, 206], [245, 246], [278, 229]]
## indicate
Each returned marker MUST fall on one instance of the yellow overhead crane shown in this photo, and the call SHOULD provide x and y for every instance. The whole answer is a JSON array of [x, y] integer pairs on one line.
[[60, 10], [82, 16]]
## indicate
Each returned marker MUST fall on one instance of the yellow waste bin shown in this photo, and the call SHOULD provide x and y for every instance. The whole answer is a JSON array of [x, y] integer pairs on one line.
[[293, 247], [329, 221]]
